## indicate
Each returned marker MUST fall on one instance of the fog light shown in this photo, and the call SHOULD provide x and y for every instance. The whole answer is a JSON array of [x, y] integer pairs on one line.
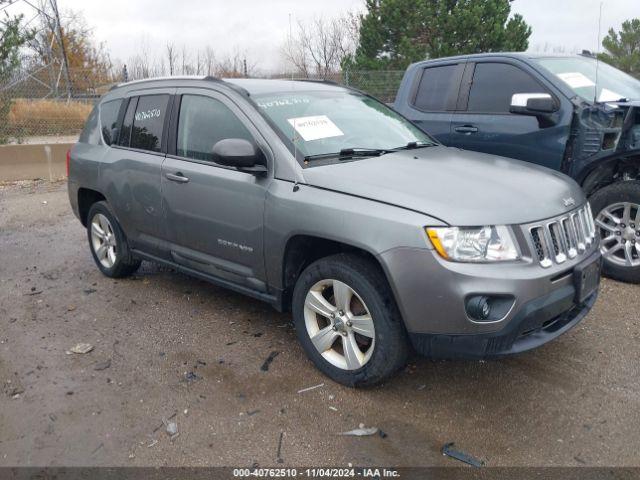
[[479, 308]]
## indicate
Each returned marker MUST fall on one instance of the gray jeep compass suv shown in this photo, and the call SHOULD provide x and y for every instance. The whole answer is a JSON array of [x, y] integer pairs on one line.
[[320, 199]]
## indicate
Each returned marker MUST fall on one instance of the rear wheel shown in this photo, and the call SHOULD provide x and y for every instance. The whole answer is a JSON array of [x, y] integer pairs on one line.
[[617, 216], [108, 243], [347, 321]]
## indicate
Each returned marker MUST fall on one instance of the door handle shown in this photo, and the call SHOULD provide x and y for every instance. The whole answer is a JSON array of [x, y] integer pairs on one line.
[[466, 129], [177, 177]]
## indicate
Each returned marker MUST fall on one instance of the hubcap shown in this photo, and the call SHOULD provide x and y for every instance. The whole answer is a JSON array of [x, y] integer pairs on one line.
[[619, 226], [103, 240], [339, 324]]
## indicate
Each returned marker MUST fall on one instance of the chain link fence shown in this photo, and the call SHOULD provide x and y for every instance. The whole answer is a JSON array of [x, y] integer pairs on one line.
[[36, 106]]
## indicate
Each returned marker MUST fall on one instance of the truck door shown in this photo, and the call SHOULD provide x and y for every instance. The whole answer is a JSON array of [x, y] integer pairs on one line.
[[482, 121], [430, 101]]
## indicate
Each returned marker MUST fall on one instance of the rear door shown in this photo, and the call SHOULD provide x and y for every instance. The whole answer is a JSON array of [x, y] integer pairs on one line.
[[132, 168], [483, 122], [432, 98], [213, 215]]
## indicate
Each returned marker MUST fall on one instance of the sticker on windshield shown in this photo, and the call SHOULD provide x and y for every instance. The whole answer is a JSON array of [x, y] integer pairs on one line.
[[576, 79], [315, 128]]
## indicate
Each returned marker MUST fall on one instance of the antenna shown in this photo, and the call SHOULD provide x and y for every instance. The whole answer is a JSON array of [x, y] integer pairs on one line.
[[595, 94]]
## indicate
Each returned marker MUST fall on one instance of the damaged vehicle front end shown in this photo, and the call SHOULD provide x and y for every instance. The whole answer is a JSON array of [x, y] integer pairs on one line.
[[603, 154]]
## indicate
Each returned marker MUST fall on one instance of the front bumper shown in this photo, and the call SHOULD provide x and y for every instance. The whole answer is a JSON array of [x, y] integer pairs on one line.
[[536, 324], [431, 296]]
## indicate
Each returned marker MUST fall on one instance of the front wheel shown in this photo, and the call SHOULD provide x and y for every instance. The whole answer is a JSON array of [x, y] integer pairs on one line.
[[617, 216], [347, 321]]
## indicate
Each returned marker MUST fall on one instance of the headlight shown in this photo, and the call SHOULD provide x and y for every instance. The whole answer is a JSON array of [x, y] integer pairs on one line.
[[474, 244]]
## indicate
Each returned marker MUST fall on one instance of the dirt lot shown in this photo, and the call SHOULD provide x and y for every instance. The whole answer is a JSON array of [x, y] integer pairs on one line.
[[166, 343]]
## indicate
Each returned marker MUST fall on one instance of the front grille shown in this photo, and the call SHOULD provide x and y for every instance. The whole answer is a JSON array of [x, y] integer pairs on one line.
[[564, 237]]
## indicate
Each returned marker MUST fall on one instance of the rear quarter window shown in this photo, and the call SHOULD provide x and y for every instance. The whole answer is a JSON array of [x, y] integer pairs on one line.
[[91, 131], [109, 120]]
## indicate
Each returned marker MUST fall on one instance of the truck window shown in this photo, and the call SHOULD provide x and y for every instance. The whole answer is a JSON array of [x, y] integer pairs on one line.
[[203, 122], [437, 86], [148, 122], [109, 120], [495, 83]]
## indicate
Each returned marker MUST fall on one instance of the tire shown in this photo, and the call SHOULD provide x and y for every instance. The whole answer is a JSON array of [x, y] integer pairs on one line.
[[612, 200], [116, 260], [381, 355]]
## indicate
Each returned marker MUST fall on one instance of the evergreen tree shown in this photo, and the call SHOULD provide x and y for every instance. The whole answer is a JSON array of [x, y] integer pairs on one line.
[[395, 33]]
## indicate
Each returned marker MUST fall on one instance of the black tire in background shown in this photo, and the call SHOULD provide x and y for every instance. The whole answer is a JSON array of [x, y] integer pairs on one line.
[[391, 347], [125, 263], [605, 198]]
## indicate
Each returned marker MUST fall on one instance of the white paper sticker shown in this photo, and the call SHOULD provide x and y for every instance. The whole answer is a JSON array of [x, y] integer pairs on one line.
[[315, 128], [607, 95], [576, 79]]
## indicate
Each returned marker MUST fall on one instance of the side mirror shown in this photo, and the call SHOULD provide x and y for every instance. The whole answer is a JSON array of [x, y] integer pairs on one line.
[[240, 154], [534, 104]]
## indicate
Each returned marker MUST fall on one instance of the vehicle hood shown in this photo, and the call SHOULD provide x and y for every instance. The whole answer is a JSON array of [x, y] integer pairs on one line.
[[458, 187]]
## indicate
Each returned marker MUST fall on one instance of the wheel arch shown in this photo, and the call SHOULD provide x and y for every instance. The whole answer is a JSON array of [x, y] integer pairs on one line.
[[609, 170], [302, 249], [86, 198]]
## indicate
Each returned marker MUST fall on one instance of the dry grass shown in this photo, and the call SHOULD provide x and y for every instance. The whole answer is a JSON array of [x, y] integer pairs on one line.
[[46, 117]]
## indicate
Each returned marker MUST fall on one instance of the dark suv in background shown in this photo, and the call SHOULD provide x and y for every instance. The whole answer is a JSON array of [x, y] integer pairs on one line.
[[545, 110]]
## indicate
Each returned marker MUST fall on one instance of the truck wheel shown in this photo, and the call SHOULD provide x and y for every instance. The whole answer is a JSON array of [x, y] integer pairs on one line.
[[347, 321], [108, 243], [617, 214]]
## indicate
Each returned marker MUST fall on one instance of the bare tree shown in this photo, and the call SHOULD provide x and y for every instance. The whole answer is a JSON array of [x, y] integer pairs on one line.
[[234, 65], [209, 61], [318, 47], [171, 57]]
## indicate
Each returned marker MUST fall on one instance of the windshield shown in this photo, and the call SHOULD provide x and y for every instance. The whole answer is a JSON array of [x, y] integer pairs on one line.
[[331, 121], [580, 74]]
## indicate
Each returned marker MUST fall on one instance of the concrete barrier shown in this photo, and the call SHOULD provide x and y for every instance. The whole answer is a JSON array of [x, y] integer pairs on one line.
[[28, 162]]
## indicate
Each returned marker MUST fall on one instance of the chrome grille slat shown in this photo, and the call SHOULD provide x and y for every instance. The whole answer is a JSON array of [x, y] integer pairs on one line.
[[563, 237]]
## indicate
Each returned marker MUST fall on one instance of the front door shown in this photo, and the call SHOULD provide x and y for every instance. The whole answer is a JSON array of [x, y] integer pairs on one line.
[[483, 122], [213, 214]]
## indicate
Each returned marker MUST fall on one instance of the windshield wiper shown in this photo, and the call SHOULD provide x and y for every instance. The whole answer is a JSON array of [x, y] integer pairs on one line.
[[348, 153], [412, 146], [367, 152]]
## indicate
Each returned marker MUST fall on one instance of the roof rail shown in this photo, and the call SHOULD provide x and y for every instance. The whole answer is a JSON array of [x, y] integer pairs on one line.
[[318, 80], [177, 77]]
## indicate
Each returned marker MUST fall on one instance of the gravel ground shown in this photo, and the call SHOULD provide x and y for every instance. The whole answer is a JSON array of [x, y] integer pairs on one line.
[[166, 344]]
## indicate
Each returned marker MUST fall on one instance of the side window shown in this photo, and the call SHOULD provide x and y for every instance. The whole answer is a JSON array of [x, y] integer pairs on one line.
[[125, 133], [148, 122], [109, 120], [91, 132], [202, 123], [495, 83], [437, 86]]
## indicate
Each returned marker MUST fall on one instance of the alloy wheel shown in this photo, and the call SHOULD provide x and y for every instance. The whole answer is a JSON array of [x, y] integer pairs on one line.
[[339, 324], [103, 240], [619, 226]]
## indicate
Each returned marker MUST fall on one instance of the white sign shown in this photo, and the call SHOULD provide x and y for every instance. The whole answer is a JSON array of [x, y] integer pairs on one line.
[[315, 128], [576, 79]]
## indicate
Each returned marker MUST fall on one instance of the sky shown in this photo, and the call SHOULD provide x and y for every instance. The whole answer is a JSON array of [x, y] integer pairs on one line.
[[258, 28]]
